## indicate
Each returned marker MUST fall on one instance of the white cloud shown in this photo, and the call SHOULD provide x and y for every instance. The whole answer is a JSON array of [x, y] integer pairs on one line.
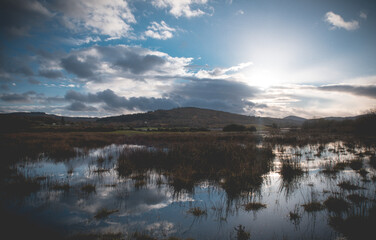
[[222, 73], [180, 8], [363, 15], [111, 18], [159, 31], [240, 12], [337, 22]]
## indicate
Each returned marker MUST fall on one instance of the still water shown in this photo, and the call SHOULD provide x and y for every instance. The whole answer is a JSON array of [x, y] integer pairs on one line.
[[148, 204]]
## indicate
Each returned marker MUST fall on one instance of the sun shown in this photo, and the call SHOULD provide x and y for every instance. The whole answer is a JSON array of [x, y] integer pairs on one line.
[[264, 77]]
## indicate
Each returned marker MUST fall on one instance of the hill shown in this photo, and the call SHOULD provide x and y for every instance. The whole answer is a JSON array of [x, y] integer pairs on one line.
[[194, 117], [178, 117]]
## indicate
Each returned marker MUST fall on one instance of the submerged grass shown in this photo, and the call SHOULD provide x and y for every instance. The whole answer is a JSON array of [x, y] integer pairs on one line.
[[88, 188], [356, 198], [291, 171], [313, 207], [356, 226], [347, 185], [60, 186], [336, 204], [197, 211], [254, 206], [241, 233], [236, 167], [104, 213]]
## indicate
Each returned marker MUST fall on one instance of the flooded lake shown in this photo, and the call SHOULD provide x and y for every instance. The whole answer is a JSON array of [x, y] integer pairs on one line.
[[88, 194]]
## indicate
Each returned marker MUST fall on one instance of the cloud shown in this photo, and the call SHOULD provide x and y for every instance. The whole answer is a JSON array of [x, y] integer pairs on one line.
[[107, 63], [180, 8], [19, 66], [111, 18], [363, 15], [240, 12], [78, 106], [17, 98], [222, 72], [33, 81], [139, 64], [17, 17], [159, 31], [50, 73], [367, 91], [216, 94], [113, 102], [337, 22], [207, 93], [83, 68]]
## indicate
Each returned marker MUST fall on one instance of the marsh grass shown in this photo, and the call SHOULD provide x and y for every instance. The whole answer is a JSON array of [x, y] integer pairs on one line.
[[235, 167], [336, 204], [101, 170], [291, 171], [347, 185], [333, 169], [313, 206], [241, 233], [19, 186], [88, 188], [356, 164], [98, 236], [60, 186], [356, 226], [197, 211], [295, 216], [104, 213], [372, 162], [254, 206], [356, 198]]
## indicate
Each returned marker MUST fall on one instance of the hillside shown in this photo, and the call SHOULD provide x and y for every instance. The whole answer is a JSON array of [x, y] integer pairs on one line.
[[194, 117], [178, 117]]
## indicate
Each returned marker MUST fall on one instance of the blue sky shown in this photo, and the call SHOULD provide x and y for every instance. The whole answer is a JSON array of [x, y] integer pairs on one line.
[[257, 57]]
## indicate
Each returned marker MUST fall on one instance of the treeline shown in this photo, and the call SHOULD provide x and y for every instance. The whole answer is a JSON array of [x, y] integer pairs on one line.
[[362, 125]]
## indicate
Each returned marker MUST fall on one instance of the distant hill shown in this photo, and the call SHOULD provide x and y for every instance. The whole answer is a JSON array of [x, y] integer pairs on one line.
[[295, 118], [194, 117], [178, 117]]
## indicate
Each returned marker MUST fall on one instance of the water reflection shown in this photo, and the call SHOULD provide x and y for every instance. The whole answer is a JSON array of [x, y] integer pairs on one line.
[[87, 193]]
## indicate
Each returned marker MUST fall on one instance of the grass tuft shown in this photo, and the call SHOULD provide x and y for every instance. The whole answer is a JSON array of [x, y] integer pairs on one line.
[[313, 207], [254, 206], [197, 211], [104, 213]]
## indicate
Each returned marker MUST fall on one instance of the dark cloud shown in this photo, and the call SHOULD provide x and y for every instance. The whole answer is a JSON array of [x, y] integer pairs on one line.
[[137, 64], [82, 69], [367, 91], [4, 87], [15, 97], [114, 102], [50, 74], [214, 94], [15, 65], [18, 16], [78, 106], [76, 96], [33, 81]]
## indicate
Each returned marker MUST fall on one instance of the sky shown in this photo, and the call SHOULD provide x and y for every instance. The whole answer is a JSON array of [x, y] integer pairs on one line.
[[269, 58]]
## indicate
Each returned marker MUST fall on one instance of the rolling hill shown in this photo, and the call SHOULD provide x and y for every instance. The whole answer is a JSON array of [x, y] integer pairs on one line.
[[195, 117]]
